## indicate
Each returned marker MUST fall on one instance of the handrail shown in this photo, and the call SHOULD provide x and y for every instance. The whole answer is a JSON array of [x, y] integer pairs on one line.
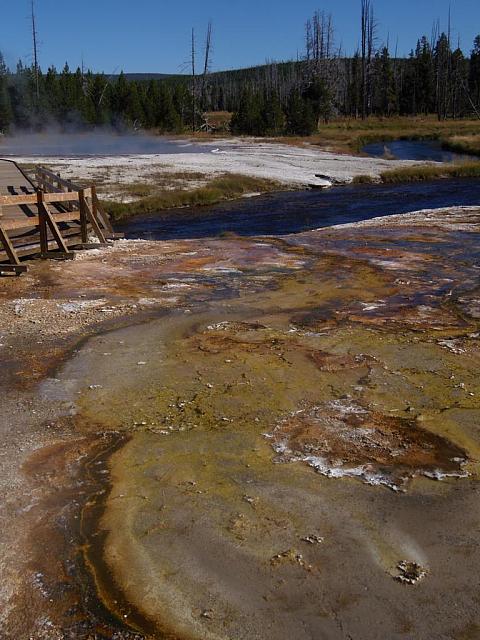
[[11, 201], [41, 171], [55, 204]]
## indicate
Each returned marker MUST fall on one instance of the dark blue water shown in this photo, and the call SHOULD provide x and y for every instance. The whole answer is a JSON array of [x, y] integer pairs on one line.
[[422, 150], [293, 212]]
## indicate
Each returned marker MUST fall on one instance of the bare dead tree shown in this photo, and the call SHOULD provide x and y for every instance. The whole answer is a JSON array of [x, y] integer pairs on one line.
[[318, 44], [207, 61], [448, 74], [368, 28], [308, 40], [35, 51], [194, 85]]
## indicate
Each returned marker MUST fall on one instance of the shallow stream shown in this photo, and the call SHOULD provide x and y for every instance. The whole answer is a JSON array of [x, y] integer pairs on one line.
[[296, 211], [421, 150]]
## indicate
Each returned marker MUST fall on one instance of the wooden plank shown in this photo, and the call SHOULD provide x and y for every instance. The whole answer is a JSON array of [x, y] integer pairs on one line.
[[45, 214], [34, 249], [68, 216], [92, 245], [48, 187], [23, 242], [61, 197], [7, 245], [25, 223], [15, 268], [83, 216], [58, 255], [42, 223], [55, 231], [10, 201], [93, 221], [46, 173], [99, 211]]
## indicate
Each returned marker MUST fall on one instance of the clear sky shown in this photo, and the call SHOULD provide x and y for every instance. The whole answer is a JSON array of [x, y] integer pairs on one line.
[[153, 35]]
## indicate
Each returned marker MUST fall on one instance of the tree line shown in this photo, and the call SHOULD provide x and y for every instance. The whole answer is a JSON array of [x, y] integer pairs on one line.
[[272, 99]]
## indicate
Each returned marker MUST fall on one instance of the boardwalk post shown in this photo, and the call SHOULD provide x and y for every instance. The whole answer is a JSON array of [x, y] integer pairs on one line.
[[99, 213], [94, 222], [83, 216], [42, 224]]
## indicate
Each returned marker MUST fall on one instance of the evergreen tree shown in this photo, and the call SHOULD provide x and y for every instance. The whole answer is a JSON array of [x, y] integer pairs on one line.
[[319, 98], [301, 119], [385, 91], [474, 75], [272, 116], [168, 116], [134, 111], [459, 84], [249, 119], [425, 77], [353, 100], [443, 62], [5, 106]]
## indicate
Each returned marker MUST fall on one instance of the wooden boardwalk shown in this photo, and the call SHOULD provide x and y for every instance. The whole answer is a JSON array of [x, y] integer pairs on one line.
[[45, 217]]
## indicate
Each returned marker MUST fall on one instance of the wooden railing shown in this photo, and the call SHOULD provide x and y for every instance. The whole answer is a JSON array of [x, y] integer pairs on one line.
[[57, 216]]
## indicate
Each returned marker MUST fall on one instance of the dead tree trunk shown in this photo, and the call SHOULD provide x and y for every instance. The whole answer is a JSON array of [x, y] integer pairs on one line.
[[35, 53], [368, 42], [206, 65], [194, 86]]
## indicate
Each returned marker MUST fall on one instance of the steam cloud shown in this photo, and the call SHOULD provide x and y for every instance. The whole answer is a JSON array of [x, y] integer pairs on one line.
[[100, 142]]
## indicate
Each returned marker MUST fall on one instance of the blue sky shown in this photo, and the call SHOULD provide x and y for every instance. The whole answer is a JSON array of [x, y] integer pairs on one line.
[[153, 35]]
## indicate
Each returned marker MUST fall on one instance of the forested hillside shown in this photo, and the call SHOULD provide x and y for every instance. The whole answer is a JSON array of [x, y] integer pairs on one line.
[[272, 99]]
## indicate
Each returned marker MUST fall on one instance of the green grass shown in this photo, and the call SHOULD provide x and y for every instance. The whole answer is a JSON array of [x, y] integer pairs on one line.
[[364, 179], [469, 145], [423, 173], [225, 187], [350, 135]]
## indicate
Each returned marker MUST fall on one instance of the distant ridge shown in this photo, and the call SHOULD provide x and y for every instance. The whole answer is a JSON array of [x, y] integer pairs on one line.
[[139, 77], [241, 71]]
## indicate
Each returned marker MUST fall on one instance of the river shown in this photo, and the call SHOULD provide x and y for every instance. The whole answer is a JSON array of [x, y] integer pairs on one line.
[[421, 150], [297, 211]]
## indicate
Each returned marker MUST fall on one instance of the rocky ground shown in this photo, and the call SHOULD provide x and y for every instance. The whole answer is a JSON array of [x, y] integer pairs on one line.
[[245, 438], [293, 167]]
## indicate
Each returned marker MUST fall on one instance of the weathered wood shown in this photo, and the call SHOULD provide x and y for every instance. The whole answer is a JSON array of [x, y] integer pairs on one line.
[[98, 211], [83, 216], [67, 216], [61, 197], [11, 201], [31, 247], [46, 173], [15, 268], [44, 211], [42, 223], [46, 218], [93, 221], [58, 255], [49, 188], [26, 223], [9, 249], [92, 245]]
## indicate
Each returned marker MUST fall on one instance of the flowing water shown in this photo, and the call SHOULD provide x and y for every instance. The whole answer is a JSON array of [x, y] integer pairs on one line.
[[293, 212], [421, 150]]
